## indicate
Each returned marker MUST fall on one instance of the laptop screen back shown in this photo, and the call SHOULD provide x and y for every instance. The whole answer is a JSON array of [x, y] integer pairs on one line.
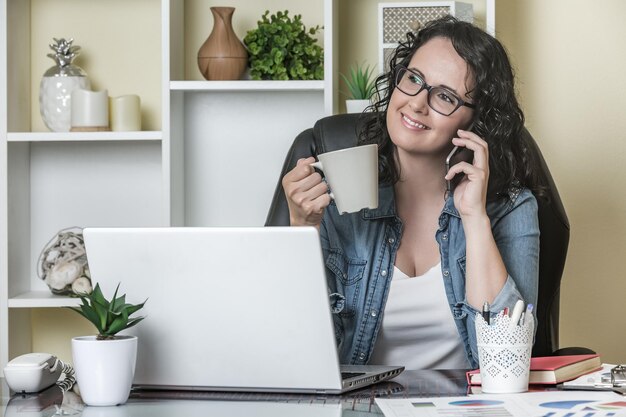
[[227, 307]]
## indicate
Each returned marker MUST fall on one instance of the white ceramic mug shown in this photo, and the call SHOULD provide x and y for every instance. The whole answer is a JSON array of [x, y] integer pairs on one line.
[[352, 175]]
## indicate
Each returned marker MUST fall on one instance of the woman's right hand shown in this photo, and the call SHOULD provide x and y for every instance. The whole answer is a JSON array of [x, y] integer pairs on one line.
[[306, 193]]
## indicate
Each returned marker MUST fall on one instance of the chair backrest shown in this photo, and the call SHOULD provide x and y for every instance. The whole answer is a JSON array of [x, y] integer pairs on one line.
[[340, 131]]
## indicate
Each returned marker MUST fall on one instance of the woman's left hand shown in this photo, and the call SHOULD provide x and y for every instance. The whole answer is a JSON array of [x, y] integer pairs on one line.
[[470, 194]]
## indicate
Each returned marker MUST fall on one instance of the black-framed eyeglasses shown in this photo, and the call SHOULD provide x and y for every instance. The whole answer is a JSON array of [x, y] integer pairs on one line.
[[440, 99]]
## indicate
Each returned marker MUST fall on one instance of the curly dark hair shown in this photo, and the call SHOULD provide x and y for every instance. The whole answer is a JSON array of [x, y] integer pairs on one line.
[[498, 117]]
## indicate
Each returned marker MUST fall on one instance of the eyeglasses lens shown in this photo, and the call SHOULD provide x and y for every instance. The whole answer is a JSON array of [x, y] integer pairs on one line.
[[440, 99]]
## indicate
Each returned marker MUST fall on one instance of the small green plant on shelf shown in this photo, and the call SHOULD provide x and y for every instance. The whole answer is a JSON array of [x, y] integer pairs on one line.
[[281, 48], [361, 82], [109, 317]]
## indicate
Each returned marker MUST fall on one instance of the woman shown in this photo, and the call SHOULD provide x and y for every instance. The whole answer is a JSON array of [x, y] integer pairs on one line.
[[408, 278]]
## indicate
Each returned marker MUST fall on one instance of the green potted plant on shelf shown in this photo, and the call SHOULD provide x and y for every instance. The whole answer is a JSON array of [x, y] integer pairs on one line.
[[361, 85], [281, 48], [105, 364]]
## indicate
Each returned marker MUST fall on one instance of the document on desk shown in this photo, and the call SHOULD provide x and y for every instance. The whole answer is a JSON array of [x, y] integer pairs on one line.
[[599, 380], [529, 404]]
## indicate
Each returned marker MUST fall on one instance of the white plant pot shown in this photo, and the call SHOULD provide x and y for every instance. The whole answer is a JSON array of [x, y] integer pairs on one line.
[[104, 368], [356, 106]]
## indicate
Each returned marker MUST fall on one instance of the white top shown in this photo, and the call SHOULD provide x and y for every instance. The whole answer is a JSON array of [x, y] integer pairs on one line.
[[418, 330]]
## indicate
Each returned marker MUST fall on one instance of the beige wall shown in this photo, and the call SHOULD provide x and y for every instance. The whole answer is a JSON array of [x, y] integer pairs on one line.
[[570, 65]]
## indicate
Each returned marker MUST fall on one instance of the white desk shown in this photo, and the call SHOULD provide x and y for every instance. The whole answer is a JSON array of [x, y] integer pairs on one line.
[[52, 402]]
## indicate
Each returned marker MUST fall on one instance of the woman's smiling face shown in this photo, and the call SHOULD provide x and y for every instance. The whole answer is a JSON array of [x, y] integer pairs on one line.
[[414, 127]]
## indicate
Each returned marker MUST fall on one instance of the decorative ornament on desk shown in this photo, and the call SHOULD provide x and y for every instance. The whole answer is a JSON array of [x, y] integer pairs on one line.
[[222, 56], [63, 264], [55, 90]]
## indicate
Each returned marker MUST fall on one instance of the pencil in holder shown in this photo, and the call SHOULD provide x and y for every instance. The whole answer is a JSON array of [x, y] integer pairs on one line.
[[504, 351]]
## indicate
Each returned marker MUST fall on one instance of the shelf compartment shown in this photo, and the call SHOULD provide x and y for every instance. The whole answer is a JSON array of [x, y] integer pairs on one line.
[[247, 85], [83, 136], [42, 299], [57, 185]]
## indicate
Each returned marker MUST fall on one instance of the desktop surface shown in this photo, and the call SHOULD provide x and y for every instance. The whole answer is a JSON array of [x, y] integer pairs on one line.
[[239, 404]]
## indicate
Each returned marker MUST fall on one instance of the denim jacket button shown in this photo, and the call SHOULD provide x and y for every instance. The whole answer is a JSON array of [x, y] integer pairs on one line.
[[374, 313], [445, 236], [383, 273], [361, 356], [446, 273], [391, 240]]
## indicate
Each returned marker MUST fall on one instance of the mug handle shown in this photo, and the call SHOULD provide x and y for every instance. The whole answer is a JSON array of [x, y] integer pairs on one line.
[[319, 166]]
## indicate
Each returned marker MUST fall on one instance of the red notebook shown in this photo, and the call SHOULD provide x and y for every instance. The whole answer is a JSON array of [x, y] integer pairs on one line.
[[552, 369]]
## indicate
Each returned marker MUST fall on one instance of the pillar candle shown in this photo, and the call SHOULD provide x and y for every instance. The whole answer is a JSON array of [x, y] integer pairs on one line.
[[126, 113], [90, 108]]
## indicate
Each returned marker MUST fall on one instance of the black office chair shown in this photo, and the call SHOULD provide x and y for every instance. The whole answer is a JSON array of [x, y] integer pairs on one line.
[[340, 131]]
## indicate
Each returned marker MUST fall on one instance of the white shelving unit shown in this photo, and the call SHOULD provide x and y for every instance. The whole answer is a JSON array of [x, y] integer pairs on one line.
[[213, 158], [38, 299], [214, 161], [247, 86]]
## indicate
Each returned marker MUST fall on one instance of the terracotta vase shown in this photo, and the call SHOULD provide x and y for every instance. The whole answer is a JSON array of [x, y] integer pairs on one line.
[[222, 56]]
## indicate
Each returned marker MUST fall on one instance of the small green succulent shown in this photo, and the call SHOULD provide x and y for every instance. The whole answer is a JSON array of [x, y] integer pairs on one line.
[[361, 82], [109, 317], [281, 48]]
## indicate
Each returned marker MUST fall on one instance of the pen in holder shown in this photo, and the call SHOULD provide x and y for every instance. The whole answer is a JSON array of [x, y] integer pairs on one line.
[[504, 350]]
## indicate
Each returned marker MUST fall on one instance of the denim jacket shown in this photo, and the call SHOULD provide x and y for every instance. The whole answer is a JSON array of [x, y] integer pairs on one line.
[[359, 250]]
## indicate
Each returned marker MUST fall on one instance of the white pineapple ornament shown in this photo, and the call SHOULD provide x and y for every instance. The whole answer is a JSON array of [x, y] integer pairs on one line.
[[55, 90]]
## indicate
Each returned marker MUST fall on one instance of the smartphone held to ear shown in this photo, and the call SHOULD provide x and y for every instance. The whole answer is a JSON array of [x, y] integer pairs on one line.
[[448, 159], [462, 154], [455, 156]]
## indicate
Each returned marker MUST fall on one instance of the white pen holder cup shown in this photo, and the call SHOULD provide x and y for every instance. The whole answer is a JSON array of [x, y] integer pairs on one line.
[[504, 353], [352, 176]]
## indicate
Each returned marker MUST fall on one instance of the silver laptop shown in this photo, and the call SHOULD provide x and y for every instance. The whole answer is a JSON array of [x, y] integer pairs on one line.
[[234, 309]]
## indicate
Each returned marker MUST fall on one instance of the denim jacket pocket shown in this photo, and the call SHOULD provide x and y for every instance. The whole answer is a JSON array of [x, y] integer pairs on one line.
[[458, 279], [461, 262], [347, 273]]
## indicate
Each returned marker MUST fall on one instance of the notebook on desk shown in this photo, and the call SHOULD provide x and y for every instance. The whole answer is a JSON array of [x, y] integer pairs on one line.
[[234, 309]]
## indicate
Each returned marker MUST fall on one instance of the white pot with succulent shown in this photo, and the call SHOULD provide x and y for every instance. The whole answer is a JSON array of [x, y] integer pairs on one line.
[[105, 364], [361, 86]]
